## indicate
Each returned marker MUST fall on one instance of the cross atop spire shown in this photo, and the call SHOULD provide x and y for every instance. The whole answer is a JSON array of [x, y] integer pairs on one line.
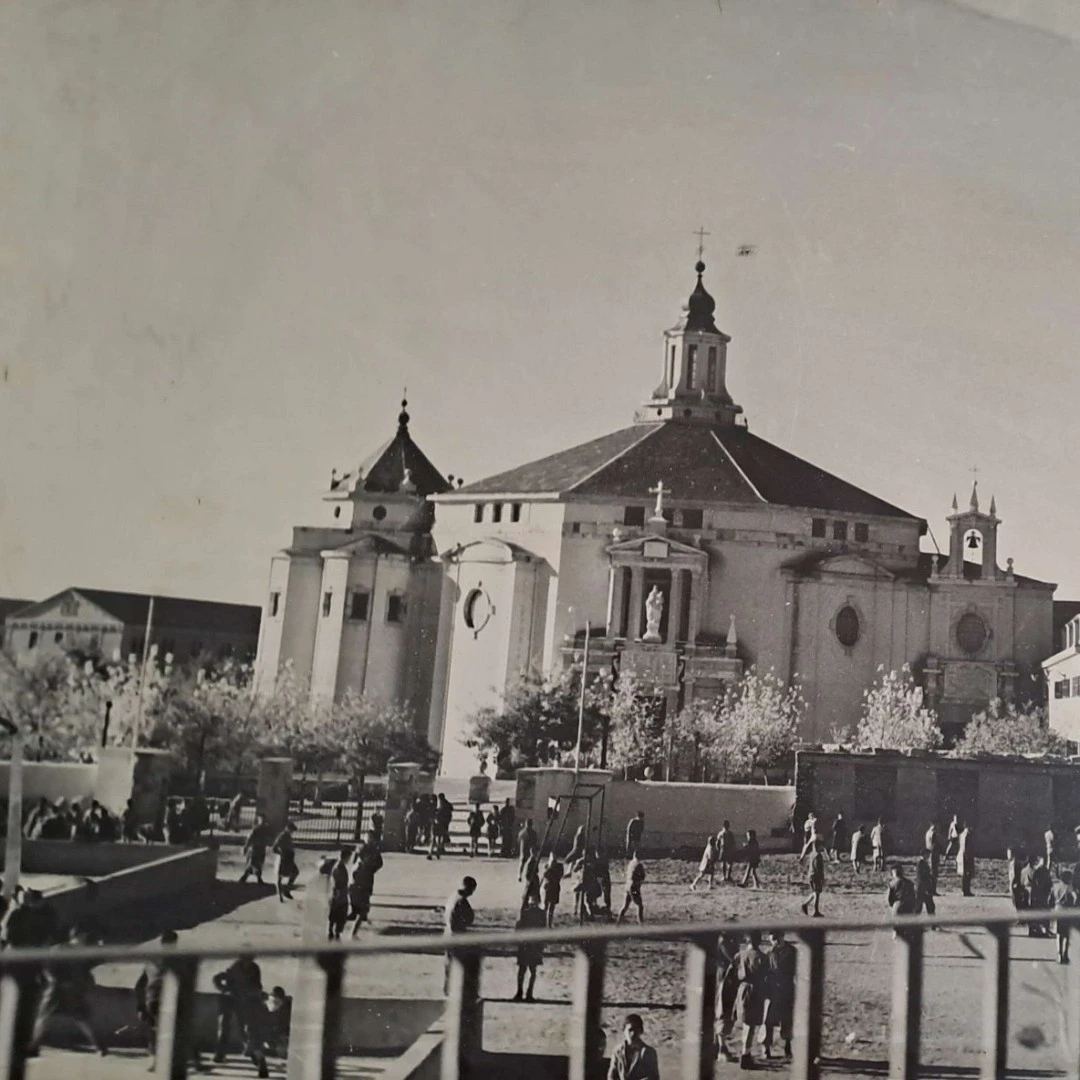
[[974, 505], [701, 234]]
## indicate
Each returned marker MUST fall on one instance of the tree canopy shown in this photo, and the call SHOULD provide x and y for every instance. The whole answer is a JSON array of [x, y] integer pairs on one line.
[[894, 716], [1005, 728]]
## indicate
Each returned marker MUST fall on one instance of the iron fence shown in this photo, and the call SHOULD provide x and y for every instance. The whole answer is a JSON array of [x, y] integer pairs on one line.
[[462, 1056]]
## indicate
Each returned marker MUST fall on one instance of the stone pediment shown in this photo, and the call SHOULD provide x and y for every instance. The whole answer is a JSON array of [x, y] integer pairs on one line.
[[367, 544], [844, 564], [653, 548], [489, 550], [67, 606]]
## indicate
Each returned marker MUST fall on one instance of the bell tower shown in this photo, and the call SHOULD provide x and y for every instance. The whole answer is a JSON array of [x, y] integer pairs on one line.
[[693, 372], [973, 541]]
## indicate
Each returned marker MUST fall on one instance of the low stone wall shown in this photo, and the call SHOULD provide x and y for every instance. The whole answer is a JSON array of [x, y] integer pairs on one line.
[[1006, 801], [89, 860], [53, 780], [679, 817]]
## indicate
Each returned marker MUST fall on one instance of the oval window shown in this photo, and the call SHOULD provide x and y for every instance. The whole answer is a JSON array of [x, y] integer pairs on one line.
[[971, 633], [475, 610], [847, 626]]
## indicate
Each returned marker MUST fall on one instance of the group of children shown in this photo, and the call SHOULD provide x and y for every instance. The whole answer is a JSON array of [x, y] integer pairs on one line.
[[352, 882], [756, 988], [722, 850]]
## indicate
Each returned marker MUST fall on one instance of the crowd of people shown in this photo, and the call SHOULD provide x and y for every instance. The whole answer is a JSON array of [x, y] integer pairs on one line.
[[63, 989]]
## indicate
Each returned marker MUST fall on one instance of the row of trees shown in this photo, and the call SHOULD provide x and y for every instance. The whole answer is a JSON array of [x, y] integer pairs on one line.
[[204, 713], [737, 738]]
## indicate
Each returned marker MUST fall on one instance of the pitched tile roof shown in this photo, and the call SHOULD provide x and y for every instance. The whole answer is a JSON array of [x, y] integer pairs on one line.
[[695, 463], [174, 612], [8, 606]]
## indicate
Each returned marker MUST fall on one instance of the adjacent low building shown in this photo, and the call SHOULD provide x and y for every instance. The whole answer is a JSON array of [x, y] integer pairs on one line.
[[1062, 672], [105, 622]]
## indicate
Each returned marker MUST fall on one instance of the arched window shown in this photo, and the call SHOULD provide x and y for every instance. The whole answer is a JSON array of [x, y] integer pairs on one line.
[[847, 626]]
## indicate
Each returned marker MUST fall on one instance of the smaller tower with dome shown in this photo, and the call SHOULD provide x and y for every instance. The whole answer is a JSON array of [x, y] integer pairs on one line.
[[353, 603], [693, 375]]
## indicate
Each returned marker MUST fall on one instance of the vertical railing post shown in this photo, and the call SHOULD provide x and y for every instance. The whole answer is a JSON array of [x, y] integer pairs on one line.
[[175, 1019], [996, 1003], [809, 999], [1072, 1005], [587, 1001], [463, 1018], [17, 1005], [904, 1028], [699, 1049], [333, 965]]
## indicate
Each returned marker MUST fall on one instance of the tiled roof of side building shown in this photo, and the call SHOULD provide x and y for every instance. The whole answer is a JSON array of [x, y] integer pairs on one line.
[[8, 606], [175, 612], [695, 463]]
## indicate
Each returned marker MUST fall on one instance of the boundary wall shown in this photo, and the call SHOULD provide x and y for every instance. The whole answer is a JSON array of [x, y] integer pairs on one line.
[[1007, 801]]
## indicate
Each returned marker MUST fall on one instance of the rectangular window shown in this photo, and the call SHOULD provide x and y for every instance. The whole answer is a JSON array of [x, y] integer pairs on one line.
[[1076, 686], [32, 642], [839, 530], [1065, 688], [634, 515], [275, 604], [671, 367], [515, 511], [693, 519], [358, 606], [817, 528], [58, 636], [478, 512], [862, 532], [711, 370], [327, 600], [1057, 686], [395, 608], [496, 511], [691, 361]]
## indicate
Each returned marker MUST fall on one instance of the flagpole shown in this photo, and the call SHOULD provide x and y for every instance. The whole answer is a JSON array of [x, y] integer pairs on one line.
[[142, 675], [581, 704]]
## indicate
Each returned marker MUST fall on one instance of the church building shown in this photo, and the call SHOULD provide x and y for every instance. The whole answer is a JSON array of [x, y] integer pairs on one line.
[[693, 549], [689, 547]]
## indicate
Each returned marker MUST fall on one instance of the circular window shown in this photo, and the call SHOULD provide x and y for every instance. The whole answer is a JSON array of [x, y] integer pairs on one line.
[[847, 626], [971, 633], [476, 610], [379, 513]]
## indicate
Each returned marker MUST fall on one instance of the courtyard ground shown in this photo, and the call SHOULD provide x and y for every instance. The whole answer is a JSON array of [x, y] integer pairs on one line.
[[648, 978], [411, 891]]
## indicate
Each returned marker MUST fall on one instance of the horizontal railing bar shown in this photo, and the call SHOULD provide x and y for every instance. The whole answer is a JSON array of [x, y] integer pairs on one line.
[[501, 941]]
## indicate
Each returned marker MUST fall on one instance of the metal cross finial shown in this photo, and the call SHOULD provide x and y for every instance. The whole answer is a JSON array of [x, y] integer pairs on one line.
[[701, 234], [659, 491]]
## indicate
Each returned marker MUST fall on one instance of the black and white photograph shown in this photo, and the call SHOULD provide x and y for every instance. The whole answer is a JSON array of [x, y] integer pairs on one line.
[[537, 539]]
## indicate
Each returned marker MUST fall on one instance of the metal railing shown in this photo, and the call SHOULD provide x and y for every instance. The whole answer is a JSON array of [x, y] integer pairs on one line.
[[461, 1050]]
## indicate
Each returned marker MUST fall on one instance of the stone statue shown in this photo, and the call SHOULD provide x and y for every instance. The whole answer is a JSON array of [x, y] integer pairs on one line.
[[654, 609]]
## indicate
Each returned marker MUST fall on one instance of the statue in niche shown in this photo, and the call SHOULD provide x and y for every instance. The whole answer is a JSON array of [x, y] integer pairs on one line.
[[654, 610]]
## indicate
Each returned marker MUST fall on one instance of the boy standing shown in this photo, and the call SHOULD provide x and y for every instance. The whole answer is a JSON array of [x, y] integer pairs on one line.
[[815, 878], [753, 859], [635, 877], [529, 957], [780, 985]]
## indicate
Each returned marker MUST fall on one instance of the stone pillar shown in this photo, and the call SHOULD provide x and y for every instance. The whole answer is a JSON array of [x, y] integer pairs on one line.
[[637, 582], [616, 591], [698, 589], [401, 788], [479, 789], [141, 775], [272, 796], [675, 606]]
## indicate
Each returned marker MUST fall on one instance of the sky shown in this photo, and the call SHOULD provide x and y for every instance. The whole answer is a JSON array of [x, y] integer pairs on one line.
[[231, 233]]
